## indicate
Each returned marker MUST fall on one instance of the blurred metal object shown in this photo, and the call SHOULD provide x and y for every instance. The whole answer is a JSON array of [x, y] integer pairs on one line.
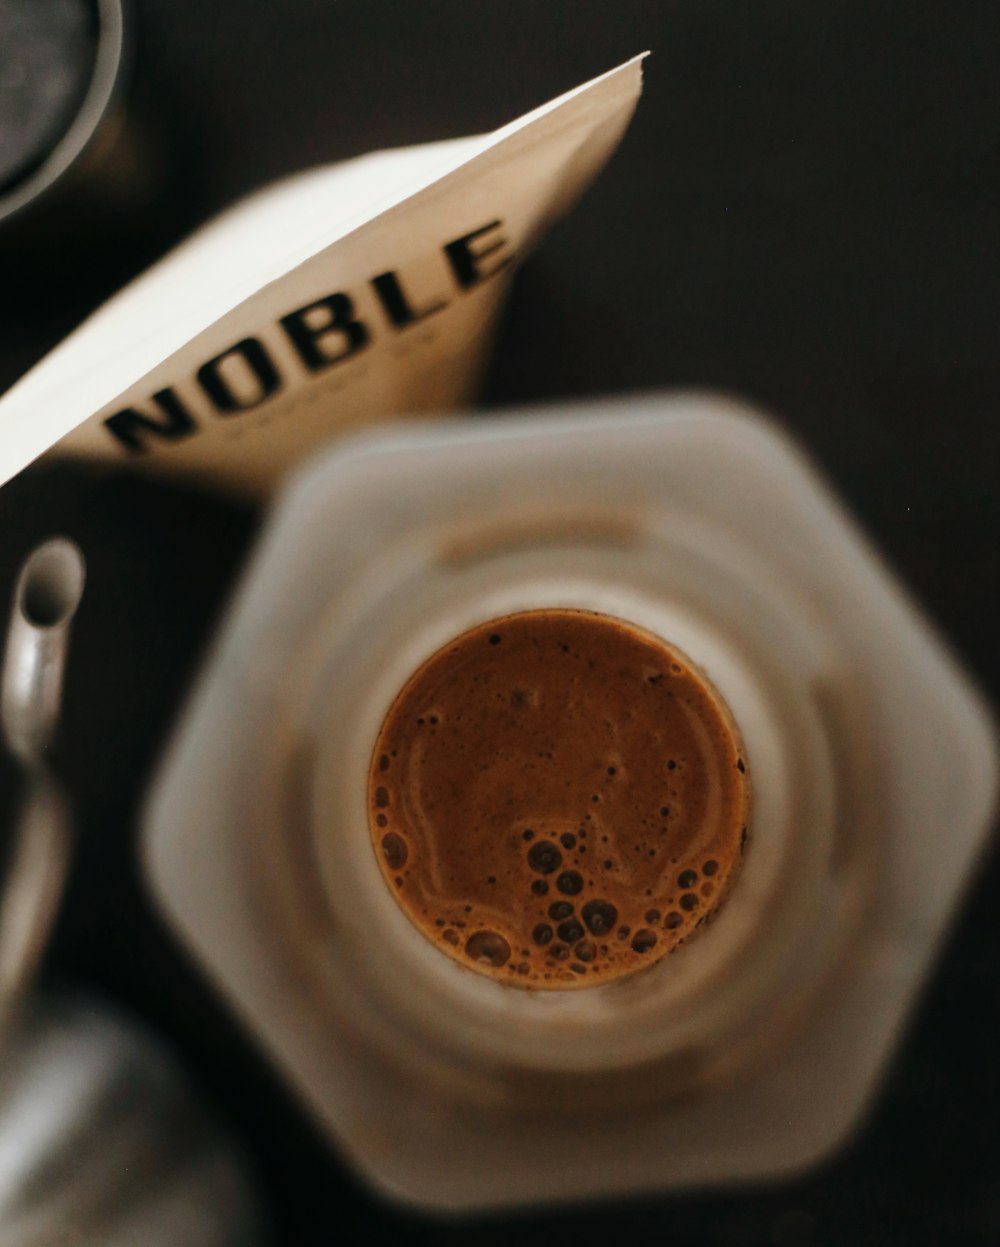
[[48, 592], [102, 1142], [31, 889], [60, 69]]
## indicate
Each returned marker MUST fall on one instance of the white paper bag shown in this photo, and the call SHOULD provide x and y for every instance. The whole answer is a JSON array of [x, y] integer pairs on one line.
[[334, 299]]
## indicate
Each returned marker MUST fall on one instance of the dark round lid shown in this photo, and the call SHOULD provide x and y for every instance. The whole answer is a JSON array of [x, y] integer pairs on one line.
[[47, 53]]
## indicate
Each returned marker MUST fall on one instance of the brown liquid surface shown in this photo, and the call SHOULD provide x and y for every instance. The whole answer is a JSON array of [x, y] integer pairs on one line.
[[558, 798]]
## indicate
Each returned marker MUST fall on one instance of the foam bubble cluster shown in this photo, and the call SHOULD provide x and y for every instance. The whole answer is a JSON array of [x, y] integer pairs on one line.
[[558, 799]]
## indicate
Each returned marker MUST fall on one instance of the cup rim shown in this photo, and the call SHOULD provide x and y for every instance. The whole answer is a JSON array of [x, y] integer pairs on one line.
[[105, 78]]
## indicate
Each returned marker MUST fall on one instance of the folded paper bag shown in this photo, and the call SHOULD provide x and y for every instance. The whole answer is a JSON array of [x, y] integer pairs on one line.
[[339, 297]]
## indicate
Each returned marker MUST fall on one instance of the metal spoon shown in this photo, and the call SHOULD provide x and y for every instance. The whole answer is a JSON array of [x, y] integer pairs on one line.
[[46, 598]]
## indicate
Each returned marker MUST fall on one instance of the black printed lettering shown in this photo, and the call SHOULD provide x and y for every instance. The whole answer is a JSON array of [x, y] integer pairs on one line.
[[134, 430], [322, 334], [466, 262], [311, 328], [263, 376], [396, 302]]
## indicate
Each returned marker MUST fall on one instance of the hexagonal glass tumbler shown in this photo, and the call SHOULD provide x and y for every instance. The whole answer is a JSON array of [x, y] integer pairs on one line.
[[751, 1050]]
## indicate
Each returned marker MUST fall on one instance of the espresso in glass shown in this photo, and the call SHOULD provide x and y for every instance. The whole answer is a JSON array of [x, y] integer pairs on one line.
[[558, 799]]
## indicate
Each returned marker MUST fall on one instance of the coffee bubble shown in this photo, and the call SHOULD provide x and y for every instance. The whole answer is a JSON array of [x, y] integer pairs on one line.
[[600, 916], [394, 850], [544, 857], [570, 930], [570, 882], [489, 947]]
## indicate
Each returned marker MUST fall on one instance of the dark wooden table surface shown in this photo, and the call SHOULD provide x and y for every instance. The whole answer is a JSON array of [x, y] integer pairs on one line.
[[804, 214]]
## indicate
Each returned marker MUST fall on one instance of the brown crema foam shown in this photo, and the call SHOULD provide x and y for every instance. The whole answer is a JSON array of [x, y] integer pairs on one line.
[[558, 798]]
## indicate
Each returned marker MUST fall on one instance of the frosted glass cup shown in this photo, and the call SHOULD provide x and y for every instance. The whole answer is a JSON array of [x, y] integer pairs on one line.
[[751, 1050]]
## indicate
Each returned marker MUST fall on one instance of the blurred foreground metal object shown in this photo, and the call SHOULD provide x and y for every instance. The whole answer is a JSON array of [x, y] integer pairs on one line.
[[102, 1143], [47, 595], [59, 82]]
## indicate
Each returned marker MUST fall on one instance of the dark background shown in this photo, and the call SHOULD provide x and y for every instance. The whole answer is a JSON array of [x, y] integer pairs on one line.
[[804, 213]]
